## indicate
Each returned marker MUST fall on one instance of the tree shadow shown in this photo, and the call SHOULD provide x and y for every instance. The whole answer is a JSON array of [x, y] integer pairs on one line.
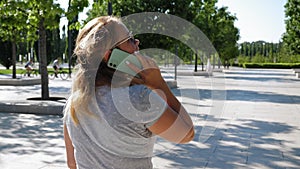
[[264, 76], [237, 95], [247, 143], [264, 79], [263, 72], [28, 134], [239, 143], [35, 91]]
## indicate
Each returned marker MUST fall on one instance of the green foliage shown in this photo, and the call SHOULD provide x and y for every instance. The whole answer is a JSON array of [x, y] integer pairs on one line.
[[276, 58], [243, 59], [44, 9], [260, 48], [14, 22], [292, 36], [272, 65], [261, 59], [75, 6], [216, 24], [20, 71], [5, 54], [8, 72], [264, 52], [99, 8]]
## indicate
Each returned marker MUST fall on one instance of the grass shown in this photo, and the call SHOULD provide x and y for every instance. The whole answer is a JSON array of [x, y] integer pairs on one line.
[[9, 71], [21, 71]]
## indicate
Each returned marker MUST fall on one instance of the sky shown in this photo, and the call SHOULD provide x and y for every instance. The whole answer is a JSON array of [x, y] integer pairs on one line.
[[256, 19]]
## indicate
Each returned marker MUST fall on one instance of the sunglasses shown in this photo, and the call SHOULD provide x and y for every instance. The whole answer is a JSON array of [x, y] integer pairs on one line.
[[130, 39]]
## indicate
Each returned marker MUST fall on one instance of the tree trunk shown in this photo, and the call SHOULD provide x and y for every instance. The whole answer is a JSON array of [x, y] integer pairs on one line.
[[69, 39], [69, 48], [196, 62], [43, 60], [14, 71]]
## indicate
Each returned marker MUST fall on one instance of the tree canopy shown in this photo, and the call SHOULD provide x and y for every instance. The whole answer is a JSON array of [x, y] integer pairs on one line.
[[29, 20], [216, 23], [292, 36]]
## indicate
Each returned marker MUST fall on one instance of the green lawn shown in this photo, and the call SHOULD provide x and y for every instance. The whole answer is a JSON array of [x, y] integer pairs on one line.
[[9, 71], [21, 71]]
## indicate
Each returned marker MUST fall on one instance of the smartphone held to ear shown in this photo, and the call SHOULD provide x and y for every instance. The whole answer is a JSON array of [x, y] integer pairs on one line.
[[118, 59]]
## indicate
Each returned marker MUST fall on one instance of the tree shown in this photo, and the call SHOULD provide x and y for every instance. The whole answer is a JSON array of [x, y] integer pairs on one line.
[[292, 36], [125, 8], [43, 14], [225, 35], [216, 24], [75, 6], [14, 26], [31, 20], [5, 54]]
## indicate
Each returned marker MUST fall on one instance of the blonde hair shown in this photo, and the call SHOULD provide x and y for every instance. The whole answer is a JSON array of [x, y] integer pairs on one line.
[[96, 37]]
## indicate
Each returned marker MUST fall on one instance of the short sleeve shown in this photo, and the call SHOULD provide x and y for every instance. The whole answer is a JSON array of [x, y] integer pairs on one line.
[[140, 105]]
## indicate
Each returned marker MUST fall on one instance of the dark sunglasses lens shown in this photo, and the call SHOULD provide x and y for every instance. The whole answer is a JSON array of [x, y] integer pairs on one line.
[[132, 40]]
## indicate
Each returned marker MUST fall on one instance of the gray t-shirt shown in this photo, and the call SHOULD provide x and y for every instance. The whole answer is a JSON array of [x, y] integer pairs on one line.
[[115, 136]]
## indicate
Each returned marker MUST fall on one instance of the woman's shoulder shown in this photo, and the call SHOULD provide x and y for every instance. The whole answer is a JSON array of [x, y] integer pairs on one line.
[[135, 93], [133, 88]]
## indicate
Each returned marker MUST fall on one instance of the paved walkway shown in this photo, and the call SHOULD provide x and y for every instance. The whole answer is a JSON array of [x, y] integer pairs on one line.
[[244, 119]]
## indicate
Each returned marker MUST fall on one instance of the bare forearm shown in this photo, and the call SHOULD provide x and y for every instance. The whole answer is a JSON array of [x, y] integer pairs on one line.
[[69, 150], [165, 92]]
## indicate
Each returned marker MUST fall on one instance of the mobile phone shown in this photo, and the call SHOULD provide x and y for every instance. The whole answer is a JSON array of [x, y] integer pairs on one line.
[[118, 60]]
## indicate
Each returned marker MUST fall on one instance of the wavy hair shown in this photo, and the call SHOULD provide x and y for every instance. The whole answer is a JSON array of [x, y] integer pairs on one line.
[[96, 37]]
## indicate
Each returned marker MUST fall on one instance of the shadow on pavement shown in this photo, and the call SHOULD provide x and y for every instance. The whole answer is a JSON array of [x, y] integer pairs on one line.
[[246, 144], [240, 95], [33, 136]]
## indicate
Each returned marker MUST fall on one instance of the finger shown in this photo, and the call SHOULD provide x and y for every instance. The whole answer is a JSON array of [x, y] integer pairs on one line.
[[106, 55], [133, 67], [140, 58], [146, 61], [137, 81]]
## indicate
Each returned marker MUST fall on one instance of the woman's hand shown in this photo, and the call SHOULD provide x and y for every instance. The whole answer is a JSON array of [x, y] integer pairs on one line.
[[149, 75]]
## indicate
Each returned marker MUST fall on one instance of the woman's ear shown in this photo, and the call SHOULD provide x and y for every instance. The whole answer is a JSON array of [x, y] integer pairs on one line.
[[106, 55]]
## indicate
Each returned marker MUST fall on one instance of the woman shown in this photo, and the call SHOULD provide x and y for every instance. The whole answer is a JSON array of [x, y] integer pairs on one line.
[[112, 118]]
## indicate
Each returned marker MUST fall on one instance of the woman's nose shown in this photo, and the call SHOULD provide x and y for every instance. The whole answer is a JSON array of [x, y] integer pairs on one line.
[[137, 42]]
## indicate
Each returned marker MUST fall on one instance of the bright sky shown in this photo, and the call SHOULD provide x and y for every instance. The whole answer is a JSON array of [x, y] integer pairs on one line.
[[257, 19]]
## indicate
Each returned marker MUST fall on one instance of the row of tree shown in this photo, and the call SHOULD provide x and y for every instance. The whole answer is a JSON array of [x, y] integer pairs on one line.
[[216, 23], [27, 21], [259, 48], [265, 52]]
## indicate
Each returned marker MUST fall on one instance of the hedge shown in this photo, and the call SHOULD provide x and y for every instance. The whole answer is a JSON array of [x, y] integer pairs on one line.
[[272, 65]]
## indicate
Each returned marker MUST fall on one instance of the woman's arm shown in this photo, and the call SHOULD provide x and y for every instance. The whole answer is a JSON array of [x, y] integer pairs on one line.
[[69, 149], [175, 123]]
